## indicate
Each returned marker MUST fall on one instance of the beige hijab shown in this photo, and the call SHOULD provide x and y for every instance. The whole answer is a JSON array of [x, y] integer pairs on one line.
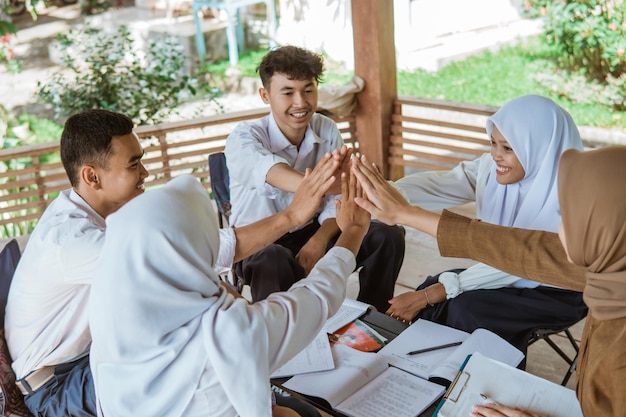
[[592, 192]]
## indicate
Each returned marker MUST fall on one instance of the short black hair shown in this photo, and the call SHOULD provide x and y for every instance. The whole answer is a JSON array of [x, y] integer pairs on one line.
[[295, 62], [86, 139]]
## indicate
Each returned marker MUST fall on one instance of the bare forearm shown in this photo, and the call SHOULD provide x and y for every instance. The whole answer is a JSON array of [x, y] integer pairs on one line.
[[435, 293], [256, 236], [328, 230], [351, 238], [420, 219], [407, 306], [284, 177]]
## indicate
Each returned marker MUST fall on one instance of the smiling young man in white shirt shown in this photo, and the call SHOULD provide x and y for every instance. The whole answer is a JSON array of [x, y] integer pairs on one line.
[[46, 322], [266, 160]]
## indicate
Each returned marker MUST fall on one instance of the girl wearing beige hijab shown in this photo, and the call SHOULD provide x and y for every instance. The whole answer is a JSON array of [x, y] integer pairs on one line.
[[592, 192]]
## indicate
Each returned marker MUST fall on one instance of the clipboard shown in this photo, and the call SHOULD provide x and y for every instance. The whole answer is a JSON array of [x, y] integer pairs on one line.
[[481, 380], [456, 388]]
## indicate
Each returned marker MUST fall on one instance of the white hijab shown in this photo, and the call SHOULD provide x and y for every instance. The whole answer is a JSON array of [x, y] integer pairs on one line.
[[158, 313], [539, 131]]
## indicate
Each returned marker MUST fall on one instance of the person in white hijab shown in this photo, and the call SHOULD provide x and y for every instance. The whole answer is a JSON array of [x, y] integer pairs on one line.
[[515, 185], [168, 340]]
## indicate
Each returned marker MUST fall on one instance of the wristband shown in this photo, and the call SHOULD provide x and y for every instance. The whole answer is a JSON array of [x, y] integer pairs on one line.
[[428, 303]]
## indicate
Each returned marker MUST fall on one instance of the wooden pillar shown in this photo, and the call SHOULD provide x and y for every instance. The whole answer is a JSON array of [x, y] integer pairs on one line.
[[375, 62]]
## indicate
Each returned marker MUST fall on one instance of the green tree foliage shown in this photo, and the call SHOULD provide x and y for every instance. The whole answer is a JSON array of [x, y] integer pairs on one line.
[[589, 41], [105, 70]]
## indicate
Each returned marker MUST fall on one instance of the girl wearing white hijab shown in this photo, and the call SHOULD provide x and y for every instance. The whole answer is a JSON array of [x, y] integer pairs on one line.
[[168, 340], [530, 133]]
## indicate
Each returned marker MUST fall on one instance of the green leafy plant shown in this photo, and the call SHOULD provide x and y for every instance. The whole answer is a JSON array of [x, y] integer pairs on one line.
[[7, 28], [23, 130], [589, 34], [6, 25], [108, 72], [588, 38], [8, 8], [7, 54]]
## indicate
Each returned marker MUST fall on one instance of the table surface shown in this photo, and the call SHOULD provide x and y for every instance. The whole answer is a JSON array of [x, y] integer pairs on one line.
[[386, 326]]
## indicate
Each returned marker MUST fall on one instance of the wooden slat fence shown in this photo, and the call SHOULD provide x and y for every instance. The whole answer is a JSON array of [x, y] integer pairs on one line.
[[31, 176], [430, 134]]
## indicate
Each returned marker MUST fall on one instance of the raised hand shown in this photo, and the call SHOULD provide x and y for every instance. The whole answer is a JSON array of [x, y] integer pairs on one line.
[[316, 183], [353, 220], [342, 156], [349, 213], [305, 202], [382, 200]]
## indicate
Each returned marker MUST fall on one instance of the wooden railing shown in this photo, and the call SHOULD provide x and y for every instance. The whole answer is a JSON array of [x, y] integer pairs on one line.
[[429, 134], [35, 175], [425, 135]]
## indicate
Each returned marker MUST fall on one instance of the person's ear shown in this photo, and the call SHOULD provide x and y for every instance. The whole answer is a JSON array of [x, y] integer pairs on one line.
[[89, 177], [265, 96]]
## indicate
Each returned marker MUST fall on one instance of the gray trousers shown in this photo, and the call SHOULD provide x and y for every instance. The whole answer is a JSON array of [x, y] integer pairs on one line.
[[70, 393]]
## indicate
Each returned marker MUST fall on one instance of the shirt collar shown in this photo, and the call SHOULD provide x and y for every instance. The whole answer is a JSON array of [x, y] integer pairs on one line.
[[279, 141], [80, 202]]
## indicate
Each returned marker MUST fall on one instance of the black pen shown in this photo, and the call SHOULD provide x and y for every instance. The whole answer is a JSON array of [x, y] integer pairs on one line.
[[415, 352]]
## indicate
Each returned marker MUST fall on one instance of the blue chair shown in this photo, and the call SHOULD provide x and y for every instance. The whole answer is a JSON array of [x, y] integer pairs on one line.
[[9, 257], [220, 187], [233, 19]]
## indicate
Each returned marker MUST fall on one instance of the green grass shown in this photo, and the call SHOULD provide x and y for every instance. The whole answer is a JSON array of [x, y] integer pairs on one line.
[[490, 78], [493, 78]]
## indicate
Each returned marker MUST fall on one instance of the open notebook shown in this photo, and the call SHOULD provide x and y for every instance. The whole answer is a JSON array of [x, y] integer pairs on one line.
[[442, 365], [362, 384]]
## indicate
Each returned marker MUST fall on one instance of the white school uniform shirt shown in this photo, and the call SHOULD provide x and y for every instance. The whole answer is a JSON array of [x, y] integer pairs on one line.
[[254, 147], [46, 320], [538, 131], [46, 315], [167, 339]]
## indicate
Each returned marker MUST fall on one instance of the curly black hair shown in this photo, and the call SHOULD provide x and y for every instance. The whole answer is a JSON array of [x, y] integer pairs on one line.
[[295, 62]]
